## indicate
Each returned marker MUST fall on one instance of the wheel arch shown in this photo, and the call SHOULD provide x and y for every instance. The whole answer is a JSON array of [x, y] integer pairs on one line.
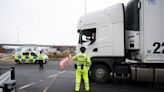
[[102, 61]]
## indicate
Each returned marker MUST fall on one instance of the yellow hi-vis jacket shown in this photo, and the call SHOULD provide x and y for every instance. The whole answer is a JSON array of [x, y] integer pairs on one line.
[[40, 56], [82, 58]]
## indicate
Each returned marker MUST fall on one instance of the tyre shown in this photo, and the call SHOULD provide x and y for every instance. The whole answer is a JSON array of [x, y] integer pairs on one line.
[[100, 73], [17, 61]]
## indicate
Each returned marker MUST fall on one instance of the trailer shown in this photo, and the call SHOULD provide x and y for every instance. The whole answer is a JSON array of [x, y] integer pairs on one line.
[[125, 41]]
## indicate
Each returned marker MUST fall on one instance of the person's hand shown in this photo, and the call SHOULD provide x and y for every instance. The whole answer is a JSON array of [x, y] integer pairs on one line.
[[70, 56]]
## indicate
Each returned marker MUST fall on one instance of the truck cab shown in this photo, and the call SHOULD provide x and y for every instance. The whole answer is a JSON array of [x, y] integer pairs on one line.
[[122, 36]]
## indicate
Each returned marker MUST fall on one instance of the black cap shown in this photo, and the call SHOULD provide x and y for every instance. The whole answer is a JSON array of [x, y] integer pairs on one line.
[[82, 49]]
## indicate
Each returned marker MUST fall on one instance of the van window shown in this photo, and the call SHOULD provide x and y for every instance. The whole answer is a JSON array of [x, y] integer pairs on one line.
[[33, 54], [26, 53]]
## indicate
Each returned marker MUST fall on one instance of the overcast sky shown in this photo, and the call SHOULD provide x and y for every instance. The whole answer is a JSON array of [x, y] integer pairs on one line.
[[51, 22]]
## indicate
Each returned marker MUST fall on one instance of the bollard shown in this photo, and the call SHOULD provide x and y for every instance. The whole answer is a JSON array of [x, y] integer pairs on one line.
[[12, 73], [5, 89], [9, 86]]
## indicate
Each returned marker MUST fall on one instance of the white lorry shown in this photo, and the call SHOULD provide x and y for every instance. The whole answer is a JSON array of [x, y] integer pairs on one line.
[[125, 41]]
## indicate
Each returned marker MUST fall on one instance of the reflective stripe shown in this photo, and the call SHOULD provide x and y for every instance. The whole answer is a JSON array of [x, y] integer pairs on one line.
[[86, 84], [87, 88], [83, 63], [81, 56], [77, 86]]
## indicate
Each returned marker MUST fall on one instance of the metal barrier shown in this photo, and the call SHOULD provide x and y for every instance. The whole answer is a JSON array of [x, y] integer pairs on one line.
[[3, 70], [7, 79]]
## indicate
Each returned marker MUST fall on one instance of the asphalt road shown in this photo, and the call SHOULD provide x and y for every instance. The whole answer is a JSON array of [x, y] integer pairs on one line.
[[30, 79]]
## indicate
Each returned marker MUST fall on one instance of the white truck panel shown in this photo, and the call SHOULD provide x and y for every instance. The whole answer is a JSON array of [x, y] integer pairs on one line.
[[118, 39], [93, 19], [105, 41], [111, 36], [115, 13], [153, 31]]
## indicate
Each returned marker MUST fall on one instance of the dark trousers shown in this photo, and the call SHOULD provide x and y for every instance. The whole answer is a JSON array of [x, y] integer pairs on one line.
[[40, 64]]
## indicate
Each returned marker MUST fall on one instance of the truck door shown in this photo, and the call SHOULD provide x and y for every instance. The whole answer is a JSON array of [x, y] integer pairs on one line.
[[87, 39]]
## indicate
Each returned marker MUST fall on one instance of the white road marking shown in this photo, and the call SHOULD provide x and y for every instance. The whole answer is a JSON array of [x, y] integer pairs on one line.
[[25, 86], [45, 90], [55, 76], [33, 83], [51, 76], [40, 80], [62, 72]]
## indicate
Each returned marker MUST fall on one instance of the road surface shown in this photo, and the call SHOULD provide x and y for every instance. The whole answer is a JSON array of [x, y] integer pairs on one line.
[[30, 79]]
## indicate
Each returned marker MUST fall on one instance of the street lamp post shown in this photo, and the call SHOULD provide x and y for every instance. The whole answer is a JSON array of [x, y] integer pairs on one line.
[[17, 34], [85, 6]]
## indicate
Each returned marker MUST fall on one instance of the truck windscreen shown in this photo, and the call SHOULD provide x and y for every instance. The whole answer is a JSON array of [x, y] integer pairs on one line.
[[87, 36]]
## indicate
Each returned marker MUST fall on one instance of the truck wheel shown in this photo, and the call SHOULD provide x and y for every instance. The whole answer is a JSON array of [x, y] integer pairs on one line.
[[19, 62], [100, 73]]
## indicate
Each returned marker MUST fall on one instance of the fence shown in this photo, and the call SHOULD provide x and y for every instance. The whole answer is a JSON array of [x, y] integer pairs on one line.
[[7, 79]]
